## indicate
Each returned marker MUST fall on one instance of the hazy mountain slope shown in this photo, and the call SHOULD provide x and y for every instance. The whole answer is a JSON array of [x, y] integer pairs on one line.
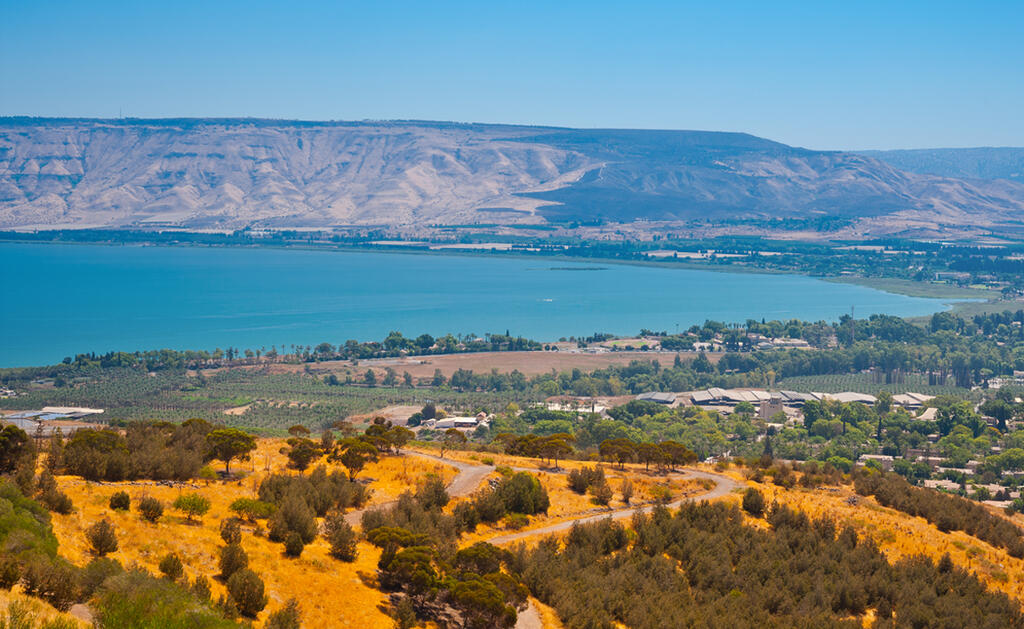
[[229, 174], [971, 163]]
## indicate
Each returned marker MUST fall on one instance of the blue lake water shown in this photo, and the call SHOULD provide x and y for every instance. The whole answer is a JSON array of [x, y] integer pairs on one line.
[[59, 300]]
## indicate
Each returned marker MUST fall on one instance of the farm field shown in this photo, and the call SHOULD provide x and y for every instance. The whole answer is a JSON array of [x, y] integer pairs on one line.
[[864, 383], [527, 363]]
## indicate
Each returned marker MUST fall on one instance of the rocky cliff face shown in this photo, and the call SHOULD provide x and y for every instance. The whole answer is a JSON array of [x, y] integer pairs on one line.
[[231, 174]]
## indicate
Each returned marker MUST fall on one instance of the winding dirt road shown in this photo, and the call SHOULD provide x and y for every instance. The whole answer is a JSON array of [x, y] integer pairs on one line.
[[471, 475]]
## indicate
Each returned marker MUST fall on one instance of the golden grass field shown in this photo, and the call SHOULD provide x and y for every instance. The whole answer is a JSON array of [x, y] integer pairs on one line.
[[332, 593], [337, 594]]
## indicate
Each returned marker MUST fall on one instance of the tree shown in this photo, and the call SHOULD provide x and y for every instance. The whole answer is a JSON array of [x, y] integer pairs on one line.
[[398, 436], [232, 559], [102, 538], [150, 508], [247, 592], [452, 437], [340, 536], [301, 453], [618, 450], [230, 443], [15, 445], [355, 456], [650, 453], [556, 446], [192, 505], [298, 430]]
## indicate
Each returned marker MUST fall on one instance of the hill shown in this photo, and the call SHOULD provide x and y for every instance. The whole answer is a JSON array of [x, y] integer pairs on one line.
[[229, 174], [971, 163]]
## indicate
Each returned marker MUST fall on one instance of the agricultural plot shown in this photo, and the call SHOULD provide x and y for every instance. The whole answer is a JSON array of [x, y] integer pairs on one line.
[[865, 383]]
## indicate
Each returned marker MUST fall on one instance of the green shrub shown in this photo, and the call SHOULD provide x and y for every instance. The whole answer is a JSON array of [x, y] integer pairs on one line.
[[293, 544], [92, 576], [192, 504], [251, 509], [120, 501], [516, 521], [102, 538], [151, 509], [232, 559], [340, 536], [126, 599], [246, 590], [171, 566], [753, 502], [10, 571], [230, 530], [288, 617]]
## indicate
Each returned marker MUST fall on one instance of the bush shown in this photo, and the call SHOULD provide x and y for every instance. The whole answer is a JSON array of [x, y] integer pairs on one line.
[[466, 516], [246, 590], [516, 521], [232, 559], [200, 588], [120, 501], [601, 493], [230, 530], [10, 571], [171, 567], [53, 580], [523, 493], [95, 573], [294, 515], [581, 480], [251, 509], [136, 599], [151, 509], [432, 493], [102, 538], [192, 505], [340, 536], [293, 544], [753, 502], [288, 617]]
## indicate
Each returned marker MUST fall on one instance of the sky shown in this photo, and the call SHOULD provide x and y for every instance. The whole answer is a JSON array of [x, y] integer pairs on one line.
[[823, 74]]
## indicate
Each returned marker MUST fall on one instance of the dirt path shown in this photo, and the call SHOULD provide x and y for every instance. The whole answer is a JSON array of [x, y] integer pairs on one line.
[[472, 474], [723, 486], [465, 482]]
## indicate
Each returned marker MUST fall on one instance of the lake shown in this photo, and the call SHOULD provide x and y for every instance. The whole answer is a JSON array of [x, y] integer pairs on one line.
[[59, 300]]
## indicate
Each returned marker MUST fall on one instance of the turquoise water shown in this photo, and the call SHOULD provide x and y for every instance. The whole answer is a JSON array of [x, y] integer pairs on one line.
[[59, 300]]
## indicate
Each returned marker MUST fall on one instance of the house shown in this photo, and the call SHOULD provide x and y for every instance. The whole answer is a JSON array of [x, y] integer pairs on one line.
[[771, 407], [883, 460]]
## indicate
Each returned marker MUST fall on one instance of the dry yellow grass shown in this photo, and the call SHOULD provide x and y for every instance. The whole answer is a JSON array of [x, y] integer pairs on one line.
[[40, 610], [331, 593]]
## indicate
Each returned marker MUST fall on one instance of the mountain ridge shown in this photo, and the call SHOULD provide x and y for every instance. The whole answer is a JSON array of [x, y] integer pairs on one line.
[[235, 173]]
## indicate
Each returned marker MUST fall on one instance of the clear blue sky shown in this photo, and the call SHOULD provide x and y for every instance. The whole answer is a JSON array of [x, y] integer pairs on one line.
[[822, 74]]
